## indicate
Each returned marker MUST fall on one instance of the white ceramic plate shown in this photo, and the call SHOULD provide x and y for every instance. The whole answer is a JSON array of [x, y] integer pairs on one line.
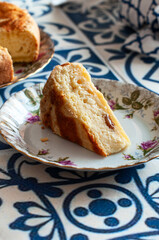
[[24, 70], [136, 108]]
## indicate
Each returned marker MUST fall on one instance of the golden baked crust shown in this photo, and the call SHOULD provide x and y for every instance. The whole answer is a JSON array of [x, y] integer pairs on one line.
[[74, 109], [6, 66], [19, 33]]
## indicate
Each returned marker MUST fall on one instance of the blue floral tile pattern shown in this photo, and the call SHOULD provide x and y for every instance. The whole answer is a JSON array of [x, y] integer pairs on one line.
[[103, 28], [40, 202]]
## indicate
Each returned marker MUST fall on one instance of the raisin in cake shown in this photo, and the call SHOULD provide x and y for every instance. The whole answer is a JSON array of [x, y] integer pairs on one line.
[[6, 66], [75, 110], [19, 33]]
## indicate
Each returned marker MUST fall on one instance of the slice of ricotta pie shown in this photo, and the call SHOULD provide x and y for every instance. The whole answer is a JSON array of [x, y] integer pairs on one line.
[[75, 110]]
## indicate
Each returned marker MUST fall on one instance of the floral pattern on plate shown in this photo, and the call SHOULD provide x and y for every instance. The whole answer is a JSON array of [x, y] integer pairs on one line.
[[131, 103], [150, 146], [22, 122], [32, 118], [156, 119]]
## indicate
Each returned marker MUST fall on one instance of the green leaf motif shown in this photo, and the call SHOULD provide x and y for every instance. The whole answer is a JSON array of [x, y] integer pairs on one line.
[[30, 95], [157, 120], [154, 128], [62, 159], [108, 97], [126, 101], [135, 95], [36, 112], [137, 105], [146, 107], [39, 93], [40, 96]]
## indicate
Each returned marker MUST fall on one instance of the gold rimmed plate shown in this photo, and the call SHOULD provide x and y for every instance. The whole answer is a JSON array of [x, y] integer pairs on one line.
[[136, 108], [24, 70]]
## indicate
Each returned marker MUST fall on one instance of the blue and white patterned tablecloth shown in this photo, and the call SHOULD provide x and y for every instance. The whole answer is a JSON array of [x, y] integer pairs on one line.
[[42, 202]]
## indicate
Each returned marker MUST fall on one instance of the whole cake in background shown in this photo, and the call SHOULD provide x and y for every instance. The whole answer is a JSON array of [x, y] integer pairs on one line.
[[75, 110], [19, 33]]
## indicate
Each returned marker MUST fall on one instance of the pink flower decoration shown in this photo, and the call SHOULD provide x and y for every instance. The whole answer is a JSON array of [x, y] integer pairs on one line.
[[67, 162], [33, 119], [127, 156], [19, 71], [149, 144], [129, 116], [43, 152], [156, 113], [111, 104]]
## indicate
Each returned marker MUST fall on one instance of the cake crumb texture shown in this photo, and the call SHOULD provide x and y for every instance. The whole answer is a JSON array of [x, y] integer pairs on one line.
[[6, 66], [75, 110]]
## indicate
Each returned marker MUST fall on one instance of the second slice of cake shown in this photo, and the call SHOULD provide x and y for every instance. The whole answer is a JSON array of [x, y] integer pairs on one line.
[[75, 110], [6, 66]]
